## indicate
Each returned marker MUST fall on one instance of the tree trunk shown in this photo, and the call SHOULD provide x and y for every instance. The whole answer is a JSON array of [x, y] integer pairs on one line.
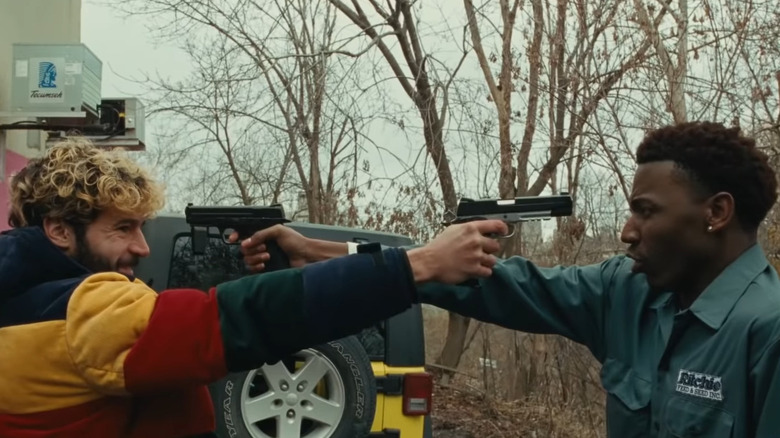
[[675, 72], [458, 325]]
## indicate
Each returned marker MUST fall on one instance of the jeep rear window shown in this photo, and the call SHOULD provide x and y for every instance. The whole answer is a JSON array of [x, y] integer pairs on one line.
[[222, 262]]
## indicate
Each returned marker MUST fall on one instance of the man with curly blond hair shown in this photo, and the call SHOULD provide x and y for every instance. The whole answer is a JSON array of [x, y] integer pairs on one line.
[[90, 351], [71, 187]]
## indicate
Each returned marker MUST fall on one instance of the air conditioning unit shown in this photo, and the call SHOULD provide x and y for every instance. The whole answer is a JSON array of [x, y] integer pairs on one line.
[[123, 122], [55, 81], [126, 118]]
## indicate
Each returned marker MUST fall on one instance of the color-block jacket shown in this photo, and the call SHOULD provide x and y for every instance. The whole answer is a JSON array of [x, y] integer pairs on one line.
[[87, 354]]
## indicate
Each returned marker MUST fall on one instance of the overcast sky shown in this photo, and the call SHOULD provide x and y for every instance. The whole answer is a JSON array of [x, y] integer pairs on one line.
[[125, 48]]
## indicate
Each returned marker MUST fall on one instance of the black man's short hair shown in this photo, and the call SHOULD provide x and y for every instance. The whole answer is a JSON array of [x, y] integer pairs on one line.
[[717, 159]]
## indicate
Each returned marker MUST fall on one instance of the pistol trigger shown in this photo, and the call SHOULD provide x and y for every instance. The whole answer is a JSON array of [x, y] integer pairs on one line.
[[502, 236], [226, 232], [223, 235], [512, 229]]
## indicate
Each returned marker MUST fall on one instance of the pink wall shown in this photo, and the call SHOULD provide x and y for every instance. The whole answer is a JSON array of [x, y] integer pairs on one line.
[[13, 162]]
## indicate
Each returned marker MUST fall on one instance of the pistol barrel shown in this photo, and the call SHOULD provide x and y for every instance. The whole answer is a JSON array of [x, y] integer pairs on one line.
[[521, 208]]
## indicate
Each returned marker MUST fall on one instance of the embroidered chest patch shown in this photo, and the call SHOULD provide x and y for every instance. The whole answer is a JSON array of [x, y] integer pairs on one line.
[[700, 385]]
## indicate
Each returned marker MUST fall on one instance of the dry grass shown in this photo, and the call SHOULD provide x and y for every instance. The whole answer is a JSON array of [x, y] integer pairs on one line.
[[539, 386]]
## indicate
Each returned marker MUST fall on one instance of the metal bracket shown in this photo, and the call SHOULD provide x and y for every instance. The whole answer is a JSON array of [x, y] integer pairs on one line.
[[43, 115]]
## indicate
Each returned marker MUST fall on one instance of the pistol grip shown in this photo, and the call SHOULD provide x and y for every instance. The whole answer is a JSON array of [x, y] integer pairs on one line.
[[279, 259]]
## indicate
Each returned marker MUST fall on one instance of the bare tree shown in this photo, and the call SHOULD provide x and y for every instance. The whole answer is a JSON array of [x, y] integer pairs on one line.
[[500, 91], [275, 81], [675, 69], [215, 115], [568, 70], [411, 70]]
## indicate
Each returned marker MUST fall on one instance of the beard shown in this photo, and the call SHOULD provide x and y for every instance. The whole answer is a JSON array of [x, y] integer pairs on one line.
[[97, 263], [92, 261]]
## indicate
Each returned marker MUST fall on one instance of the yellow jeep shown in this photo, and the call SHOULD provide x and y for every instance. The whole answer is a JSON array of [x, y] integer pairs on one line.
[[371, 384]]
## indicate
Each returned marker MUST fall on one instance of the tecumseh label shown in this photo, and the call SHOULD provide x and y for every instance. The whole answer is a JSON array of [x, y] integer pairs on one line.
[[700, 385], [46, 85]]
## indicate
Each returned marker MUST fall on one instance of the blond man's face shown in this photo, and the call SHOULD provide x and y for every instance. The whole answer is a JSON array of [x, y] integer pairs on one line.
[[113, 242]]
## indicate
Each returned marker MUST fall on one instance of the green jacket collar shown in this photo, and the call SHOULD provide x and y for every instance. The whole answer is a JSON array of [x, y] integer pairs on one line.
[[718, 299]]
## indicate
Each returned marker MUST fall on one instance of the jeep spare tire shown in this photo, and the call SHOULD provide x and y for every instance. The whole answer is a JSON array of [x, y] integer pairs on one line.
[[327, 391]]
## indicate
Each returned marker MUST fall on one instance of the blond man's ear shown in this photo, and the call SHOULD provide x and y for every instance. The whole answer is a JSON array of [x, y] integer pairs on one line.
[[60, 234]]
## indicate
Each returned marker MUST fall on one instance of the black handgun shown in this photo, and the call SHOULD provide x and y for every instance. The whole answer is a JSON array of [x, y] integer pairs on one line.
[[245, 220], [515, 210]]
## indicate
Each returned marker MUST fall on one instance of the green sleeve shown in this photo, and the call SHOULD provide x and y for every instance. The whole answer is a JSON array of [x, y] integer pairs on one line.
[[264, 317], [765, 384], [568, 301]]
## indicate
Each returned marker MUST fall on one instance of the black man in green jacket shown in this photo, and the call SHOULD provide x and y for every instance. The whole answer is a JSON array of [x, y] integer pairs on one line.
[[686, 324]]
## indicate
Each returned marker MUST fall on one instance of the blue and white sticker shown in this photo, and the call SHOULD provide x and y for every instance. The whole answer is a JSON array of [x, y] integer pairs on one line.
[[700, 385]]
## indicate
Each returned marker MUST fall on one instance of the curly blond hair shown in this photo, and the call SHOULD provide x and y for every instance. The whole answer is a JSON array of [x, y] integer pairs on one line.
[[75, 181]]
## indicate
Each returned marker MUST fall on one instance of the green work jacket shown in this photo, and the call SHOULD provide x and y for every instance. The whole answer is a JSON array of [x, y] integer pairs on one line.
[[712, 370]]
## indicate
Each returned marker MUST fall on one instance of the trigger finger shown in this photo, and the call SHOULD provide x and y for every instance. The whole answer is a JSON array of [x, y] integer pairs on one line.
[[233, 237]]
